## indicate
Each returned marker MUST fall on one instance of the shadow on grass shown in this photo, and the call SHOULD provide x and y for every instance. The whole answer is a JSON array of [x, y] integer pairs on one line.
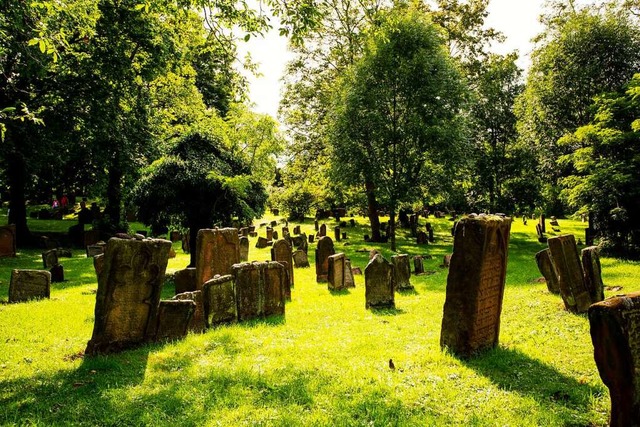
[[513, 370], [386, 311], [339, 292], [275, 320], [410, 291]]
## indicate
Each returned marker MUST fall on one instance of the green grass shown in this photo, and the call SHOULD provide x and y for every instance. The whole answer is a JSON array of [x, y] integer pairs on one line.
[[325, 363]]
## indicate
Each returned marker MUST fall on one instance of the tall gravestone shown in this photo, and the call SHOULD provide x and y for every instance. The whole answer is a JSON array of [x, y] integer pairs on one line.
[[129, 287], [323, 251], [615, 333], [336, 276], [336, 233], [243, 243], [378, 282], [259, 289], [281, 252], [401, 272], [548, 270], [219, 300], [593, 273], [50, 258], [26, 285], [475, 285], [217, 251], [323, 230], [564, 254], [7, 241], [418, 265]]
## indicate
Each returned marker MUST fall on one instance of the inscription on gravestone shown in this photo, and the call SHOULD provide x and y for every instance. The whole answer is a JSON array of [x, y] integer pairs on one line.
[[378, 282]]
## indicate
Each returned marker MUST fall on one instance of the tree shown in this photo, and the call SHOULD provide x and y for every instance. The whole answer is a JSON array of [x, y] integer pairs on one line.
[[197, 185], [398, 109]]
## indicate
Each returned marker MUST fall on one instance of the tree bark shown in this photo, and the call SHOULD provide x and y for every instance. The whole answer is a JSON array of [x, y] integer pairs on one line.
[[17, 180], [372, 208], [392, 228], [114, 194]]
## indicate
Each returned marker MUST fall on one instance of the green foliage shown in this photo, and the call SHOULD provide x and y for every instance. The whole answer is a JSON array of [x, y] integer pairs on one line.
[[295, 200], [606, 169]]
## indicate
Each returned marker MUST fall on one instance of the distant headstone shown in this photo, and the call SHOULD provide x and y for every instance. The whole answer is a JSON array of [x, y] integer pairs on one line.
[[50, 258], [285, 230], [91, 237], [378, 282], [269, 234], [323, 230], [352, 222], [336, 276], [548, 270], [475, 285], [57, 273], [7, 241], [615, 323], [349, 282], [174, 317], [274, 236], [431, 238], [26, 285], [323, 251], [593, 273], [243, 242], [217, 251], [311, 238], [274, 223], [262, 243], [300, 259], [281, 252], [418, 265], [98, 264], [402, 272], [316, 225], [564, 253], [185, 280], [219, 300], [197, 322], [244, 231], [336, 233], [296, 229], [129, 287], [422, 238]]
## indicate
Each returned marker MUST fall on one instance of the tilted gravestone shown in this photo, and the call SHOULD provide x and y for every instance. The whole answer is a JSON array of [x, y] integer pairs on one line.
[[174, 317], [217, 251], [300, 259], [548, 270], [287, 280], [336, 275], [402, 272], [26, 285], [564, 254], [418, 265], [93, 250], [219, 298], [197, 323], [323, 251], [349, 282], [259, 289], [281, 252], [475, 285], [593, 273], [50, 258], [185, 280], [615, 333], [129, 287], [7, 241], [378, 282], [243, 242]]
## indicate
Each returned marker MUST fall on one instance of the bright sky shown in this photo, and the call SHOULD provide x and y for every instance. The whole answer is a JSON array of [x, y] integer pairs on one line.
[[517, 19]]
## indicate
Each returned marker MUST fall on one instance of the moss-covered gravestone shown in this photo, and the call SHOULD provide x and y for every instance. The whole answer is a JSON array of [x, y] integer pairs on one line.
[[259, 289], [593, 273], [197, 322], [548, 270], [174, 318], [402, 272], [475, 285], [26, 285], [378, 282], [220, 300], [281, 252]]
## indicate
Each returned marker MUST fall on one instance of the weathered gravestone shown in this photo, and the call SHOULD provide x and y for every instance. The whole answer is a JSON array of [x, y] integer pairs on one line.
[[98, 264], [564, 253], [336, 233], [57, 273], [50, 258], [218, 250], [174, 317], [402, 272], [323, 230], [300, 259], [287, 280], [378, 282], [311, 238], [129, 287], [316, 225], [540, 233], [26, 285], [197, 322], [7, 241], [418, 265], [243, 242], [296, 229], [281, 252], [543, 224], [475, 285], [548, 270], [349, 282], [422, 238], [262, 243], [219, 297], [274, 236], [615, 333], [259, 289], [300, 242], [336, 275], [323, 251], [373, 253], [593, 273], [185, 280], [269, 234]]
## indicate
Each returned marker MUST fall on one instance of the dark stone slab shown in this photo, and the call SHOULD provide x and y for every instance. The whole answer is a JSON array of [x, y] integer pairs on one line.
[[349, 282], [57, 273], [185, 280], [323, 251], [26, 285], [402, 272], [300, 259], [243, 242], [418, 265], [50, 258], [220, 300], [548, 270], [7, 241], [174, 317], [197, 322], [281, 252], [593, 273]]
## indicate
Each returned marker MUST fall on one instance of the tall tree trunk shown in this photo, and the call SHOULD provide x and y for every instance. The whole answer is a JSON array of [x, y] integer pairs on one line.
[[392, 228], [114, 193], [17, 180], [372, 208]]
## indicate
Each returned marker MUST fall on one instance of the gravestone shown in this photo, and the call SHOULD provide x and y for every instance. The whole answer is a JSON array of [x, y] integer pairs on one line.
[[91, 237], [323, 251], [98, 264], [541, 236], [217, 251], [418, 265], [316, 225], [548, 270], [287, 280], [431, 238], [344, 236], [244, 231], [274, 236], [593, 273], [336, 276], [219, 300], [311, 238], [401, 272], [26, 285], [349, 282], [57, 273], [269, 234], [378, 282], [352, 222], [336, 233], [615, 326], [197, 322], [422, 238], [300, 259], [274, 277], [186, 242], [243, 242], [252, 229], [50, 258], [262, 243], [475, 285], [7, 241], [281, 252], [564, 254], [185, 280], [285, 230], [129, 287], [259, 289], [174, 317], [323, 230], [273, 223], [296, 229]]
